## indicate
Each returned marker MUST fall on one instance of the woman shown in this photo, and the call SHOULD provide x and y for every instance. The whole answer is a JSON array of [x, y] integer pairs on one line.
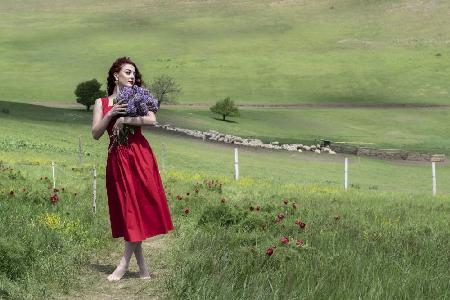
[[137, 203]]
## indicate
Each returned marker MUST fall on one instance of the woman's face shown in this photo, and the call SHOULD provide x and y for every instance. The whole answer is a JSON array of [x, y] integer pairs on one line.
[[126, 75]]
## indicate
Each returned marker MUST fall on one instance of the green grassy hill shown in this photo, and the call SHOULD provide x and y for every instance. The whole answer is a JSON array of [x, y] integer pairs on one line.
[[312, 51], [30, 132]]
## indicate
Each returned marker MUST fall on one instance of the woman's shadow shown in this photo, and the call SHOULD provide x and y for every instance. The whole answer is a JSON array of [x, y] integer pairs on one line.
[[108, 269]]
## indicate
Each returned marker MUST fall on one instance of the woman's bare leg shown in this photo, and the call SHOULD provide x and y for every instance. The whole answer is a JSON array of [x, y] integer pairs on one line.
[[124, 262], [139, 253]]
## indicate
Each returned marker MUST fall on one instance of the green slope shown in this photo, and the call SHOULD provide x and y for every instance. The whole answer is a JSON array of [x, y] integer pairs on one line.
[[254, 51]]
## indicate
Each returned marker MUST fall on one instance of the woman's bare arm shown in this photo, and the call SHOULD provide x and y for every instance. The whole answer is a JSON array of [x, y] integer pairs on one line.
[[99, 123], [149, 119]]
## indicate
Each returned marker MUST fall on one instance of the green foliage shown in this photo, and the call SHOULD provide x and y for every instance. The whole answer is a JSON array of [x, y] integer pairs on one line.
[[222, 215], [374, 237], [45, 245], [88, 91], [165, 89], [225, 108]]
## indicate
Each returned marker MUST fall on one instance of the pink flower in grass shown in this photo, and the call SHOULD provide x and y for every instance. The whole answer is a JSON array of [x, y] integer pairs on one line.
[[284, 240], [280, 216], [54, 198], [299, 243], [300, 223], [269, 251]]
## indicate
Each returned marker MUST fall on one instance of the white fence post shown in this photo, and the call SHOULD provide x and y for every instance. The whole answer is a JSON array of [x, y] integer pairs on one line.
[[433, 174], [346, 174], [236, 164], [94, 191], [53, 174], [80, 150]]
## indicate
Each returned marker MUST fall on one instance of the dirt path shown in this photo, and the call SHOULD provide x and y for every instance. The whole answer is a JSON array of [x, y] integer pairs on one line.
[[96, 286]]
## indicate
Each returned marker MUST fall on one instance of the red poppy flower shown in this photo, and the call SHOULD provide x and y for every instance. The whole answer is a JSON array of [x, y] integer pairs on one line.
[[285, 201], [280, 216], [269, 251], [284, 240], [54, 198], [186, 210], [299, 243], [297, 222]]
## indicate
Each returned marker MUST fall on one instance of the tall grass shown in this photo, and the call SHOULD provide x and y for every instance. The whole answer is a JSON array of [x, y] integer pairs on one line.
[[369, 245]]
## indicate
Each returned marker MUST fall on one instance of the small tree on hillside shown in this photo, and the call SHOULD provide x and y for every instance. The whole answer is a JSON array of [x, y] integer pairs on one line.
[[226, 108], [164, 88], [88, 91]]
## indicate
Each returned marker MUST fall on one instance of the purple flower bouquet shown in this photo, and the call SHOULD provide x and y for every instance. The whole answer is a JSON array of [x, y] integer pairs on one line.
[[140, 101]]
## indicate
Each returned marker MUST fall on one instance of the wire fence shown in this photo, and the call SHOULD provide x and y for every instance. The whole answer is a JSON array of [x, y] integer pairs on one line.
[[344, 173]]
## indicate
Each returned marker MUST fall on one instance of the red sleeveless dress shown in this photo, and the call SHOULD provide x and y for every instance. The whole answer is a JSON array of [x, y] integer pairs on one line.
[[137, 202]]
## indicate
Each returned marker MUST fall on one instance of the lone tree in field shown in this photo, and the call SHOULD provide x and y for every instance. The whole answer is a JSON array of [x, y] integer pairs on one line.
[[226, 108], [88, 91], [164, 88]]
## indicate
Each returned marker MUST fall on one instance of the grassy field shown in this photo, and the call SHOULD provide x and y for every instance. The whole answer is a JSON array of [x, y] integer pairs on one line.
[[421, 130], [30, 132], [286, 229], [386, 237], [254, 51]]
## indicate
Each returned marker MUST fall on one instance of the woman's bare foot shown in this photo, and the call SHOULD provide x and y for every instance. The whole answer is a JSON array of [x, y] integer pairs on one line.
[[144, 273], [118, 272]]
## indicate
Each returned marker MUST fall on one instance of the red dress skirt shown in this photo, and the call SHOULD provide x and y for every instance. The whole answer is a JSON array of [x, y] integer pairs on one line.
[[137, 202]]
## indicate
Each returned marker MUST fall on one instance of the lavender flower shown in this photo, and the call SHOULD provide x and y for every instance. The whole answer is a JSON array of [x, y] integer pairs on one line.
[[140, 101]]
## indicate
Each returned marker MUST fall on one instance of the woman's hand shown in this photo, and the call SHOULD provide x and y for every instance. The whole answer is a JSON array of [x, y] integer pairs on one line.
[[118, 126], [118, 109]]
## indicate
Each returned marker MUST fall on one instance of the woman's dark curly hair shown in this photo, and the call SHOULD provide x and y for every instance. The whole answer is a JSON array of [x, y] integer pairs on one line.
[[116, 66]]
